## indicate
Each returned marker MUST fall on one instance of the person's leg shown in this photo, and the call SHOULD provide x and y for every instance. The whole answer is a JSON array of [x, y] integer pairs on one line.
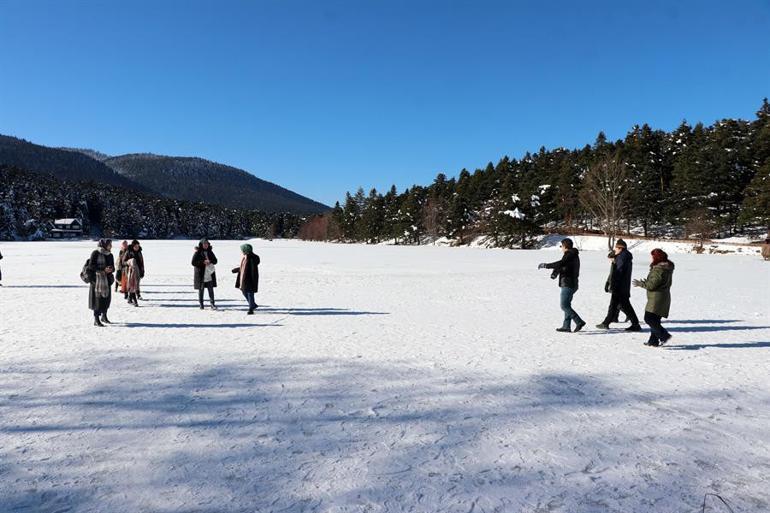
[[625, 305], [611, 310], [653, 321], [210, 287], [566, 306], [200, 297]]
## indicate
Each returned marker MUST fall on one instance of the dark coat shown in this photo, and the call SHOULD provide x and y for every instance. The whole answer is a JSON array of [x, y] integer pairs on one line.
[[198, 259], [658, 285], [250, 281], [136, 255], [568, 268], [96, 264], [620, 274]]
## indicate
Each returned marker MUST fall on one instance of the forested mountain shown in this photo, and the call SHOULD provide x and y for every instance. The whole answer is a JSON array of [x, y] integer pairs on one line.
[[196, 179], [28, 201], [62, 163], [182, 178], [705, 179]]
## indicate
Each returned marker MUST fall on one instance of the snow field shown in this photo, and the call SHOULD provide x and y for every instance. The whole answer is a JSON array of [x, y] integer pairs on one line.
[[379, 378]]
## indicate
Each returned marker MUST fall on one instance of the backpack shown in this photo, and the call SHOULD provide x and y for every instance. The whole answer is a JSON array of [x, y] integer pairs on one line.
[[86, 274]]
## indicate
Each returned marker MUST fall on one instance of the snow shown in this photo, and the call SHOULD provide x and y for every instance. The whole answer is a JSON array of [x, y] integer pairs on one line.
[[382, 379]]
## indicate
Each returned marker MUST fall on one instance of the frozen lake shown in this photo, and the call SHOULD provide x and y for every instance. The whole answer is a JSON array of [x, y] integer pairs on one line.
[[379, 378]]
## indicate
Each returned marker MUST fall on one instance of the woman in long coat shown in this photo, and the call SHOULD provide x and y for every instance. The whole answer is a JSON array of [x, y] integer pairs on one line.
[[101, 265], [119, 267], [205, 276], [248, 275], [134, 252], [658, 285]]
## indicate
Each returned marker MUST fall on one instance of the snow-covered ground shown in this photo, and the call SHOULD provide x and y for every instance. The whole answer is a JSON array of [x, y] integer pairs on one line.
[[379, 378]]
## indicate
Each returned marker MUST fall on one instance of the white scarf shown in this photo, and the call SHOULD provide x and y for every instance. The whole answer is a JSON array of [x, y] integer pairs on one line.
[[208, 272]]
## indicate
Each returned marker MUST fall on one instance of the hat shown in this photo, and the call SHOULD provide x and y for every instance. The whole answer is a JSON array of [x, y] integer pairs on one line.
[[204, 239], [134, 242], [621, 243], [246, 248]]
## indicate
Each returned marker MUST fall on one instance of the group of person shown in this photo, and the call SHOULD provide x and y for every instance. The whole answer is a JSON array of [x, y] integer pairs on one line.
[[618, 285], [102, 272]]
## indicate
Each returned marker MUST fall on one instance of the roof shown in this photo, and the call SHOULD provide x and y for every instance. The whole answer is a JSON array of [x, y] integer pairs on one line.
[[67, 220]]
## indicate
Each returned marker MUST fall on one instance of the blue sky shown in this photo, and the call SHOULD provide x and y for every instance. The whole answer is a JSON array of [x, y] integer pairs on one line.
[[324, 96]]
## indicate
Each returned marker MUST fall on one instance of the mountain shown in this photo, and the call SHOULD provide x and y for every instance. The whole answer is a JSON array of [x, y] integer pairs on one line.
[[64, 164], [182, 178], [196, 179]]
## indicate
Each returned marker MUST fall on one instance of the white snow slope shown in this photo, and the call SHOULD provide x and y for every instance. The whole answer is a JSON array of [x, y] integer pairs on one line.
[[379, 378]]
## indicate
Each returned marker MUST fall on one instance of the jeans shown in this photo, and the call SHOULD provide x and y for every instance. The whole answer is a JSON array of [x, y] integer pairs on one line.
[[658, 333], [566, 307], [208, 286], [250, 298], [624, 303]]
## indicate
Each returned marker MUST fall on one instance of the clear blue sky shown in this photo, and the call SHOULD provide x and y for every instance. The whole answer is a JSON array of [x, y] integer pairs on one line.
[[324, 96]]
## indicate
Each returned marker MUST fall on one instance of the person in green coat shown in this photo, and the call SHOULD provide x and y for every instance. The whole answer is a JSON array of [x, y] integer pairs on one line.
[[658, 285]]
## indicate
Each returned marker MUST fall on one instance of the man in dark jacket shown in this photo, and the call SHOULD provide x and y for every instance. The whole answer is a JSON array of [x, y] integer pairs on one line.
[[619, 286], [567, 270]]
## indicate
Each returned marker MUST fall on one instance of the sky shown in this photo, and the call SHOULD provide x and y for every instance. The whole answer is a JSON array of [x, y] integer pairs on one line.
[[322, 97]]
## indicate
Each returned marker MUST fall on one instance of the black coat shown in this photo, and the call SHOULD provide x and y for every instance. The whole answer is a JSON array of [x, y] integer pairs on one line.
[[198, 259], [568, 268], [250, 281], [620, 275], [96, 264]]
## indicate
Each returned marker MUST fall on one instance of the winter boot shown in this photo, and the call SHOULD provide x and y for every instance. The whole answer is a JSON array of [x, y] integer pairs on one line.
[[579, 325], [213, 306], [563, 330], [250, 312], [105, 320], [634, 327], [603, 326], [97, 322], [201, 306]]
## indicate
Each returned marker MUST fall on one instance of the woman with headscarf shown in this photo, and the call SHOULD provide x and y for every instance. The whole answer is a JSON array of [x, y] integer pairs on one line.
[[131, 275], [248, 275], [658, 285], [205, 276], [119, 267], [134, 252], [101, 265]]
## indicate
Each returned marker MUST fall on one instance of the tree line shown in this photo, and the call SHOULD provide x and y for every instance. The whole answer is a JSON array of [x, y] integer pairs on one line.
[[695, 180], [29, 201]]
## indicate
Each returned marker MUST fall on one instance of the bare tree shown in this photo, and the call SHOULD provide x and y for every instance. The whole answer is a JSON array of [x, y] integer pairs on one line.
[[605, 195]]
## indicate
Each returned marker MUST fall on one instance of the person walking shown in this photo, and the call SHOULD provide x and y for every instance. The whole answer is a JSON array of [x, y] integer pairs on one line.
[[205, 276], [119, 266], [608, 284], [620, 289], [568, 271], [658, 285], [134, 252], [247, 279], [101, 265]]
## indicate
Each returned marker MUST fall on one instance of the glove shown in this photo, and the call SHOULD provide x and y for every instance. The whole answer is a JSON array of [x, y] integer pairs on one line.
[[541, 266], [555, 274], [637, 283]]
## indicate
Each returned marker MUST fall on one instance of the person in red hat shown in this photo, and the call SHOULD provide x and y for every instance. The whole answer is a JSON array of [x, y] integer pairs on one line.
[[658, 286]]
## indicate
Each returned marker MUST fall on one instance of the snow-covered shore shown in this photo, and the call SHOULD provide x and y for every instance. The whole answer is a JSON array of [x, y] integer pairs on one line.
[[379, 378]]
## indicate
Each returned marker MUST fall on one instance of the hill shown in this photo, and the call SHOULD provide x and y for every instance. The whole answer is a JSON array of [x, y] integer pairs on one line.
[[64, 164], [196, 179]]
